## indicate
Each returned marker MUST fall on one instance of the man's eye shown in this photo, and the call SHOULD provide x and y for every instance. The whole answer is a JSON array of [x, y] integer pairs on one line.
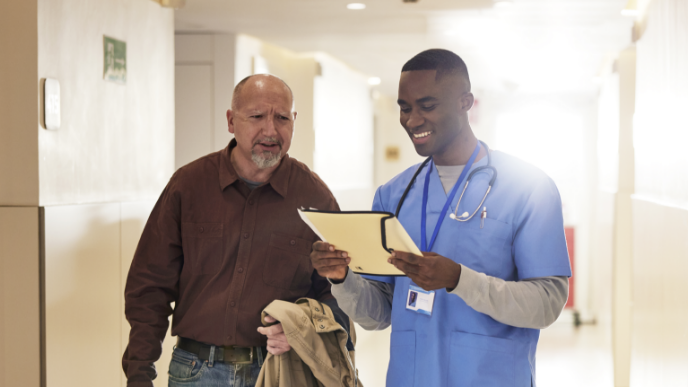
[[284, 118], [406, 110], [428, 108], [257, 116]]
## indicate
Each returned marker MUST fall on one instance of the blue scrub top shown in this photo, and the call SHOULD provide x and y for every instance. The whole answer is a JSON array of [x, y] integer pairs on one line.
[[522, 237]]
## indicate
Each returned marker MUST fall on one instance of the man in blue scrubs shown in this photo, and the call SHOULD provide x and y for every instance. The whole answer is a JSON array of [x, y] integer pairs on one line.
[[493, 272]]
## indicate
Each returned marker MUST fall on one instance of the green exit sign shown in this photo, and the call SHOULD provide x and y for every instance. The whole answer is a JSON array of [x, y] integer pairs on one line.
[[114, 60]]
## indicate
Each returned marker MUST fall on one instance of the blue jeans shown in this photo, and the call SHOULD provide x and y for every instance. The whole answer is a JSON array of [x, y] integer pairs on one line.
[[187, 370]]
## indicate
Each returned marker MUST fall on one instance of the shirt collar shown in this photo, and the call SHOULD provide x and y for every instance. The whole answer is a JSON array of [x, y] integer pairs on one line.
[[279, 179]]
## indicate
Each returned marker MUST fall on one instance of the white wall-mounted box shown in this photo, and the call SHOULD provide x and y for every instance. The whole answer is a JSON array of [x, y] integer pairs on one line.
[[51, 104]]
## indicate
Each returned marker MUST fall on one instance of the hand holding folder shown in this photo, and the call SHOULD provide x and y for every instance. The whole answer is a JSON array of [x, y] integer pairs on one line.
[[368, 237]]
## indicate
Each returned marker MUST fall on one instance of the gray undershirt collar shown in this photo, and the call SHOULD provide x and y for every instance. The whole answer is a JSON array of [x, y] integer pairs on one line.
[[251, 184], [449, 175]]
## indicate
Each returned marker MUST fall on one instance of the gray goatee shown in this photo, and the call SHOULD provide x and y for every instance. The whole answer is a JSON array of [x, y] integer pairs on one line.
[[266, 159]]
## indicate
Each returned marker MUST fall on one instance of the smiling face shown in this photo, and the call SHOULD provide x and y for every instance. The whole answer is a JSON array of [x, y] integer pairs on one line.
[[262, 121], [433, 111]]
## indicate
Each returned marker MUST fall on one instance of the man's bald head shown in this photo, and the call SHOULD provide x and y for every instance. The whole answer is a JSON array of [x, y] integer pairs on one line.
[[258, 80], [445, 62]]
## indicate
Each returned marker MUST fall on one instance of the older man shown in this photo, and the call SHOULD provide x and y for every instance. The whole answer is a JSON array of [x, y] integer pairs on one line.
[[223, 241]]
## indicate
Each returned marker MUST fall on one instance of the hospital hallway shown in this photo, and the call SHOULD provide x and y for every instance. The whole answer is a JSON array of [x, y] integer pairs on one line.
[[567, 356], [101, 102]]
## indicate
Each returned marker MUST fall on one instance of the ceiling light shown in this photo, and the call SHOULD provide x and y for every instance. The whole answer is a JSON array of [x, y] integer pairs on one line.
[[631, 9], [374, 81], [503, 4], [176, 4], [355, 6]]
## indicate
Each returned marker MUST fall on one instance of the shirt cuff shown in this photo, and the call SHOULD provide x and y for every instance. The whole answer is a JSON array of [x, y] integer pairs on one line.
[[349, 288], [471, 285], [140, 384]]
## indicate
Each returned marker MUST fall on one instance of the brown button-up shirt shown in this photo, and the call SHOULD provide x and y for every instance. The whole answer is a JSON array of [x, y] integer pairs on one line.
[[221, 252]]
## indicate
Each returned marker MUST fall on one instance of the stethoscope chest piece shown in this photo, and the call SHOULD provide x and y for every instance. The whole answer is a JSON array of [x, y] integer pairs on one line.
[[453, 215]]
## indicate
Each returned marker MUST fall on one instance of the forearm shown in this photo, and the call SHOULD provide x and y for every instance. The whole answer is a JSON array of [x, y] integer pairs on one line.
[[147, 311], [369, 303], [152, 286], [533, 303]]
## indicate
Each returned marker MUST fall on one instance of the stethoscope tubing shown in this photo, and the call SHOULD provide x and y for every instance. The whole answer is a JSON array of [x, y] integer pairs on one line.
[[468, 180]]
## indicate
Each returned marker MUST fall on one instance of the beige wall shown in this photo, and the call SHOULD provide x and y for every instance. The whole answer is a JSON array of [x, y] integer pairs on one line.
[[660, 302], [613, 216], [660, 204], [88, 251], [20, 355], [390, 133], [19, 103], [204, 80], [116, 142], [622, 280]]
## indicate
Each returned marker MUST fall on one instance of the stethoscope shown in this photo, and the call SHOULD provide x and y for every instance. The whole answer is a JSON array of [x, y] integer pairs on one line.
[[465, 216]]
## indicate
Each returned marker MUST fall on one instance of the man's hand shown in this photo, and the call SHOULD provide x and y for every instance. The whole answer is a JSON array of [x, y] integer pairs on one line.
[[330, 263], [277, 340], [431, 271]]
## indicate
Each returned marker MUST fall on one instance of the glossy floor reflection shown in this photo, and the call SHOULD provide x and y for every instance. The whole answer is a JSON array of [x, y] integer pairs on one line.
[[569, 356], [566, 357]]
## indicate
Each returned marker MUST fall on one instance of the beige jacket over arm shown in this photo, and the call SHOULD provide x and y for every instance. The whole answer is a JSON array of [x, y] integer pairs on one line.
[[318, 355]]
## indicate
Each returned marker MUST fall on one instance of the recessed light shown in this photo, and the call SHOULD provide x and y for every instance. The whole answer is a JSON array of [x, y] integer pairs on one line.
[[631, 9], [374, 81], [355, 6]]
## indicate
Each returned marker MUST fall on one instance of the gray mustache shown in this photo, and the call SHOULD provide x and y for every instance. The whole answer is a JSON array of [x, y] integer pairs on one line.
[[269, 140]]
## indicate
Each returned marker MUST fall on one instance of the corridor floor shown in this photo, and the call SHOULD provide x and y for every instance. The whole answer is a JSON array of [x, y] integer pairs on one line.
[[566, 357]]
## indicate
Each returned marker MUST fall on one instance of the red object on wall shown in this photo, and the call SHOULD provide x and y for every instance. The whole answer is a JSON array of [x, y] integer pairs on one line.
[[568, 231]]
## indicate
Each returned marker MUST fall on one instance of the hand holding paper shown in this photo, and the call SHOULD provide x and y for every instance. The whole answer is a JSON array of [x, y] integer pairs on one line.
[[366, 237], [430, 271], [329, 262]]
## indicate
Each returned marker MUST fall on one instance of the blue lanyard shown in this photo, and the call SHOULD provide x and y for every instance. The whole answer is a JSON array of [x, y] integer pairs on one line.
[[423, 219]]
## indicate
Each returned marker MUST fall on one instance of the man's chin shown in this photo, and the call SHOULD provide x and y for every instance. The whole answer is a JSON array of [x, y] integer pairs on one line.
[[423, 149], [266, 159]]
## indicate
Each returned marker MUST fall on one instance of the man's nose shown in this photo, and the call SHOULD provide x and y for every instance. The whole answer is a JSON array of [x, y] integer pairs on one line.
[[270, 127], [414, 120]]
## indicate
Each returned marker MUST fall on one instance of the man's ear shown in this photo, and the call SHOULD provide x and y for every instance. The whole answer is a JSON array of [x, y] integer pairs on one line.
[[466, 101], [230, 121]]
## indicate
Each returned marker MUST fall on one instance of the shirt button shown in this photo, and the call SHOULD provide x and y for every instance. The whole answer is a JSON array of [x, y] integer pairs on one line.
[[232, 303], [241, 270], [250, 202], [229, 337], [292, 242], [200, 229], [245, 235]]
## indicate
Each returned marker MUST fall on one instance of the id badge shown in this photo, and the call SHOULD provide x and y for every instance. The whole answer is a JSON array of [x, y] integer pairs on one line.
[[419, 300]]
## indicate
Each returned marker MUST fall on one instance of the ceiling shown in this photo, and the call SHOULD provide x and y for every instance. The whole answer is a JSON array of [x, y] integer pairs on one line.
[[526, 45]]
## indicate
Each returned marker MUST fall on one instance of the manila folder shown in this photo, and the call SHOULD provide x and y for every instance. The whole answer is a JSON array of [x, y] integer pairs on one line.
[[367, 236]]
